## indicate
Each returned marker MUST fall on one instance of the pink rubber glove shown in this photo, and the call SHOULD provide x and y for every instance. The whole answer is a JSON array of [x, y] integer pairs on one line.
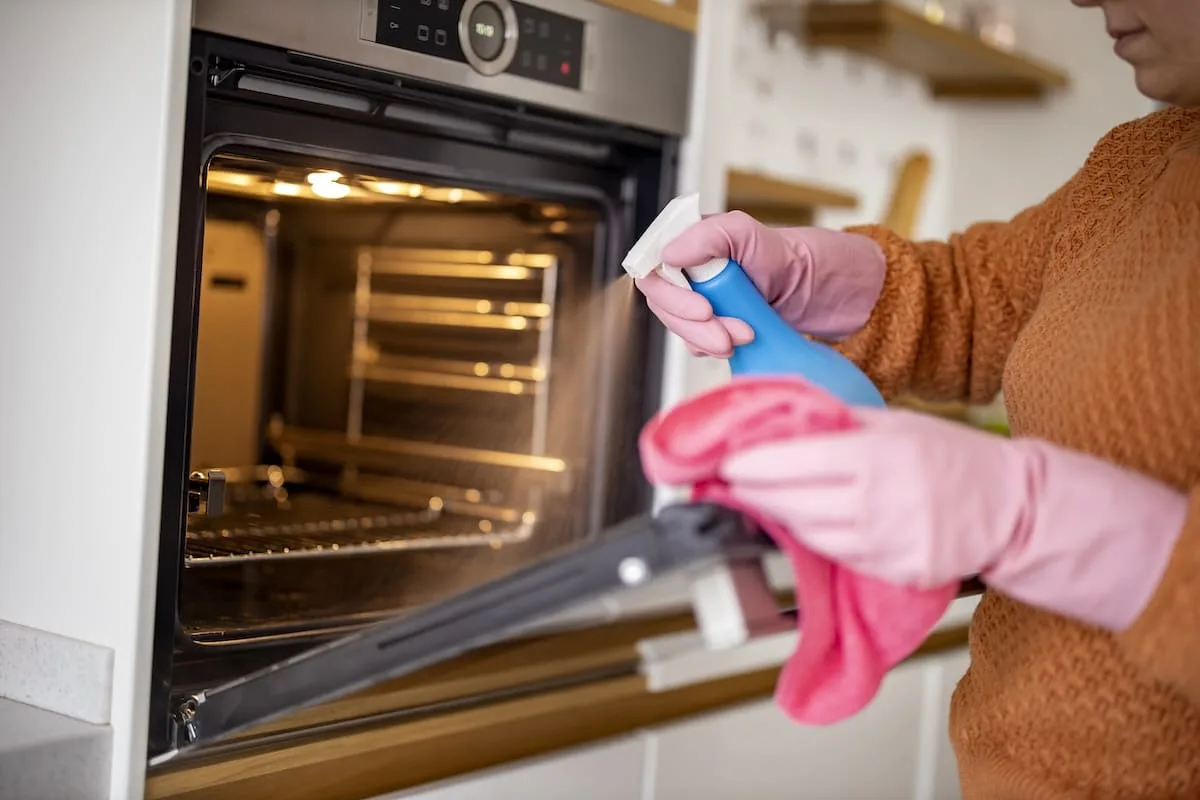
[[854, 628], [918, 501], [822, 282]]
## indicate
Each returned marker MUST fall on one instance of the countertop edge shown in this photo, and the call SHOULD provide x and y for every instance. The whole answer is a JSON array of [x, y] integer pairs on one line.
[[44, 754]]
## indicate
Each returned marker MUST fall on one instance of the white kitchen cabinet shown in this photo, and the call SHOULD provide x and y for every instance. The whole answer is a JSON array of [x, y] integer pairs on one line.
[[895, 749], [756, 752], [947, 672], [609, 771]]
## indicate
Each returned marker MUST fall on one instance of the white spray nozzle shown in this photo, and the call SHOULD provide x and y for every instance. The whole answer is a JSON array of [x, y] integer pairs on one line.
[[645, 256]]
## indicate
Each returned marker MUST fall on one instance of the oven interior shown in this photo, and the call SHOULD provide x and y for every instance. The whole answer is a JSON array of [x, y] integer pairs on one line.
[[396, 393]]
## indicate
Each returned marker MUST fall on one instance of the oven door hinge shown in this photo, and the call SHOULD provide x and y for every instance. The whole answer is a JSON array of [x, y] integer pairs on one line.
[[185, 724], [223, 71]]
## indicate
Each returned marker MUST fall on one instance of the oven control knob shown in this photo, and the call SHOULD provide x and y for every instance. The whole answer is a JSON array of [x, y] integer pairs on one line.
[[487, 31]]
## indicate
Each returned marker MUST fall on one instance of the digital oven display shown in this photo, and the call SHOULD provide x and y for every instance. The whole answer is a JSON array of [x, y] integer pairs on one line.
[[548, 46]]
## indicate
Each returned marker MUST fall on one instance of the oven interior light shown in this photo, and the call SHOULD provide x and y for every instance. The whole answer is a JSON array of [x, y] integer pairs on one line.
[[230, 178], [330, 190], [323, 176], [387, 187], [396, 188], [328, 184]]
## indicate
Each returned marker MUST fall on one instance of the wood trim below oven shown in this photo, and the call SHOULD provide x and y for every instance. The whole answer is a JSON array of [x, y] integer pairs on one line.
[[365, 760]]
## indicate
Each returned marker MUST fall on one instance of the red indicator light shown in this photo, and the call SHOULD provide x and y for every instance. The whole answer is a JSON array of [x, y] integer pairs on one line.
[[565, 69]]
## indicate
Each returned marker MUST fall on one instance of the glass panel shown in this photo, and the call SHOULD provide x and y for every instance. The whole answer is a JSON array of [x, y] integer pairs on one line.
[[398, 381]]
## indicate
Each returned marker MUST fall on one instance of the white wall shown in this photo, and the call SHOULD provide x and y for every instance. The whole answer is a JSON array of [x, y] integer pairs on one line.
[[90, 146], [1007, 158], [835, 119]]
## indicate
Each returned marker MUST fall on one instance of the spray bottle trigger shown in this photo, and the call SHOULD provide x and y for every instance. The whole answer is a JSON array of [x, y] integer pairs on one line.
[[673, 275], [645, 256]]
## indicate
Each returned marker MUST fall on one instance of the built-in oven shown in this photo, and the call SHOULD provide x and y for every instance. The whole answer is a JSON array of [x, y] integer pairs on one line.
[[406, 382]]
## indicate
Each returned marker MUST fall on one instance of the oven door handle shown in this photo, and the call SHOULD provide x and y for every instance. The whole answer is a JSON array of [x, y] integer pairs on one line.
[[684, 537]]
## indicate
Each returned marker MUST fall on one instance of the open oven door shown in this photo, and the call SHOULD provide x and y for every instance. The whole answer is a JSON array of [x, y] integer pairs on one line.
[[450, 186], [697, 539]]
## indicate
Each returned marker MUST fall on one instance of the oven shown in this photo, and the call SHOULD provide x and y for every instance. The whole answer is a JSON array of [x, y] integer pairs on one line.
[[405, 376]]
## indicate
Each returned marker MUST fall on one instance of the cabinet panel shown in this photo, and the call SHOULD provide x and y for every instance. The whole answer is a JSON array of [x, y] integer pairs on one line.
[[609, 771], [756, 752], [951, 669]]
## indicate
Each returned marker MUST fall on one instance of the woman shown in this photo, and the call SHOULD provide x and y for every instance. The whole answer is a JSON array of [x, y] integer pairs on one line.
[[1085, 309]]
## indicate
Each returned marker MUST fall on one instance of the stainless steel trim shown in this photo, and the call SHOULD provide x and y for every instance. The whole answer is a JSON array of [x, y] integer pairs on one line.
[[507, 50], [635, 71]]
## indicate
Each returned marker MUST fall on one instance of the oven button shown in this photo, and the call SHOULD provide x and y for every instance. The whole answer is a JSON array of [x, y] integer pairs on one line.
[[487, 31]]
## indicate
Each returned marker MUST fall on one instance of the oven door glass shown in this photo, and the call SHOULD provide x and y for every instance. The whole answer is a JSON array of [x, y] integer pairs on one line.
[[402, 409], [398, 383]]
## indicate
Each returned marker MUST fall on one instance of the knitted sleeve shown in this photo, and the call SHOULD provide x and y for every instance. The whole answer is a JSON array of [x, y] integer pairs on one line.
[[1165, 639], [949, 312]]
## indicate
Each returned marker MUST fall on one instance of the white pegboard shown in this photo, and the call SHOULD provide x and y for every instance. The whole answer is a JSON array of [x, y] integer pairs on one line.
[[834, 119]]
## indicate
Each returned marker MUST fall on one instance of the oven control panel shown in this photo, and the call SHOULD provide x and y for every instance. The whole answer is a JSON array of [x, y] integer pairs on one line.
[[493, 36]]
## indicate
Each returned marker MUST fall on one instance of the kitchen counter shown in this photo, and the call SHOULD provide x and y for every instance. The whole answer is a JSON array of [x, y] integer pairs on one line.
[[46, 756]]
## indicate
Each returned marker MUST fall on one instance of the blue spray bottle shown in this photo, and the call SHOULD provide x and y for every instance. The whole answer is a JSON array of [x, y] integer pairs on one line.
[[777, 349]]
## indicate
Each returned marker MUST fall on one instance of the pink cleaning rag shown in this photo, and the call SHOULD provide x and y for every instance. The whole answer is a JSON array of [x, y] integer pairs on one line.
[[853, 628]]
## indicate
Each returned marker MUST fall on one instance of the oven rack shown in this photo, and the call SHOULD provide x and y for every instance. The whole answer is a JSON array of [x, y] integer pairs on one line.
[[287, 539], [335, 446], [526, 380], [458, 307], [441, 380], [458, 312], [375, 305], [464, 264], [268, 521], [268, 481]]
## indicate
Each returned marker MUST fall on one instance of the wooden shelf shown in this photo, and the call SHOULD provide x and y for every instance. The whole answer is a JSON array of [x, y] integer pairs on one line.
[[781, 202], [680, 15], [955, 63]]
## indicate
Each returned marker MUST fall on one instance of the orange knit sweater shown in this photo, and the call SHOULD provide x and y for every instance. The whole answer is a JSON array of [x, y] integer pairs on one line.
[[1085, 309]]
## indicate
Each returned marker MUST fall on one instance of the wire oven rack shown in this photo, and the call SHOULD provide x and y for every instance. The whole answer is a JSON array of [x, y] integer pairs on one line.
[[369, 512], [297, 535], [378, 514]]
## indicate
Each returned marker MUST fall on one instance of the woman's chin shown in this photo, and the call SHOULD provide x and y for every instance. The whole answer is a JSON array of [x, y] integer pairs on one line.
[[1163, 85]]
